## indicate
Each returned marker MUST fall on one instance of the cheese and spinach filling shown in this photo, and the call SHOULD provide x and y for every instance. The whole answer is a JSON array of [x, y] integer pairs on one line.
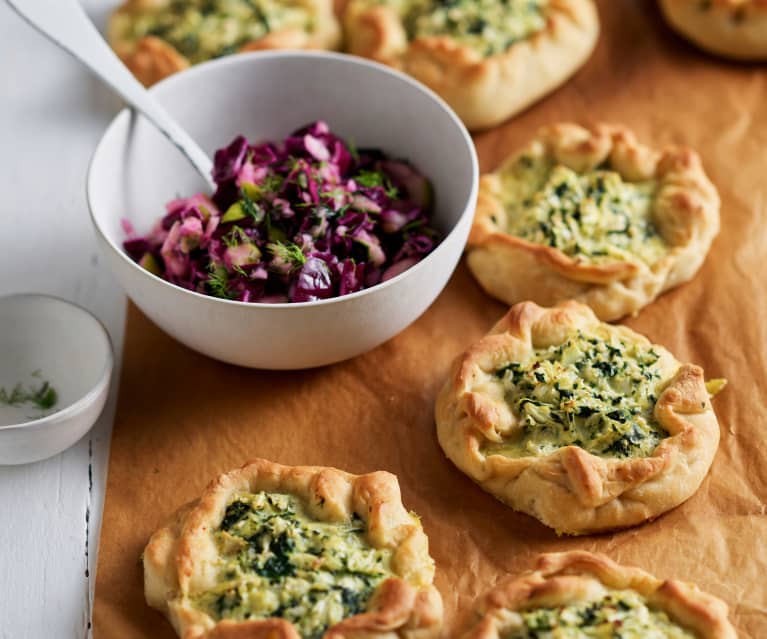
[[595, 216], [620, 614], [276, 561], [205, 29], [594, 391], [489, 27]]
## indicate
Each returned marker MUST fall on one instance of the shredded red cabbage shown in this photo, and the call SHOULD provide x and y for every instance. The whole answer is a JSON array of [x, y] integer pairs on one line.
[[307, 220]]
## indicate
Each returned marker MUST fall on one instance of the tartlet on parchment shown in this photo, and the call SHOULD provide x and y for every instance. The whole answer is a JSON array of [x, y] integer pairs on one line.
[[488, 59], [584, 425], [591, 214], [156, 38], [282, 552]]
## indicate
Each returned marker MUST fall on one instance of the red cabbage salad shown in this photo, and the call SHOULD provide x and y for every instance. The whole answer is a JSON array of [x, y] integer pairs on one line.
[[310, 219]]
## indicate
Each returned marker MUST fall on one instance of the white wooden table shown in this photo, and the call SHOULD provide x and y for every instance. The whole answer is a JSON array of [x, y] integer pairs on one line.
[[52, 113]]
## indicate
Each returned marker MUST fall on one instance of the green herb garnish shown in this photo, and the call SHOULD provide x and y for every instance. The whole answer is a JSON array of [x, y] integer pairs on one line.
[[45, 397], [372, 179], [249, 207], [272, 183], [288, 252], [218, 282], [235, 237]]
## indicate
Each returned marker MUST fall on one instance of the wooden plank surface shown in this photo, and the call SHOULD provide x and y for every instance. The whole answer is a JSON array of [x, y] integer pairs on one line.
[[52, 113]]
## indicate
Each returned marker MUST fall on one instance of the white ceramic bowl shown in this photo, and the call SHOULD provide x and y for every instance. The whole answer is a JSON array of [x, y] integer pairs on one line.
[[266, 96], [47, 339]]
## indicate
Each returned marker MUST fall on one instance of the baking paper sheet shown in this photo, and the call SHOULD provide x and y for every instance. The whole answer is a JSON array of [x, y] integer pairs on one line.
[[183, 418]]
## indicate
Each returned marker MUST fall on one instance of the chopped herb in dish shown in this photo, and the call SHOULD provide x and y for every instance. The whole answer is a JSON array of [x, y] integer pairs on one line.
[[205, 29], [595, 216], [310, 219], [276, 561], [43, 396], [619, 614], [594, 391]]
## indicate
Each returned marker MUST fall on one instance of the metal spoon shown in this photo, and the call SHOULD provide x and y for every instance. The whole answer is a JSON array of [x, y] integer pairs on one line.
[[65, 23]]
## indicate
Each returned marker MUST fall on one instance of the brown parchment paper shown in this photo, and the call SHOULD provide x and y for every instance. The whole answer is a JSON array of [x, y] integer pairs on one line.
[[183, 418]]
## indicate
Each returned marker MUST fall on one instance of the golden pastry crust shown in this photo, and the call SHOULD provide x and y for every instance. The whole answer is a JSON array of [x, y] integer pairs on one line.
[[152, 59], [570, 489], [484, 91], [179, 558], [730, 28], [685, 211], [577, 576]]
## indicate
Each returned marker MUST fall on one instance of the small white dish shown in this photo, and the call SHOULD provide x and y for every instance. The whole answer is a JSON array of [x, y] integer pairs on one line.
[[265, 96], [46, 339]]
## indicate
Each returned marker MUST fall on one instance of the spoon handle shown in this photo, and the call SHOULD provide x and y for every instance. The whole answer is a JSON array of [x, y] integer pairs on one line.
[[66, 24]]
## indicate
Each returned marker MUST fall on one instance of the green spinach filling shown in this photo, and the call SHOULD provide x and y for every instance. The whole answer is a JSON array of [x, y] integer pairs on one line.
[[275, 561], [594, 391], [489, 27], [594, 216], [205, 29], [620, 614]]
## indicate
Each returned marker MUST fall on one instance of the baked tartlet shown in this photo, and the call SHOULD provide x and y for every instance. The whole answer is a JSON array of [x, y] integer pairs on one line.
[[156, 38], [579, 594], [592, 215], [730, 28], [584, 425], [283, 552], [489, 59]]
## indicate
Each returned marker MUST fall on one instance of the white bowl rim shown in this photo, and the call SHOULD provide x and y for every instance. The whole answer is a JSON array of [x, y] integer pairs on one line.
[[86, 400], [320, 55]]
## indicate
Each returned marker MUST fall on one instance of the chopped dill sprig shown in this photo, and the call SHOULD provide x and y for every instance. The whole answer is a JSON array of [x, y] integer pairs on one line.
[[44, 397], [218, 282], [250, 208], [235, 237], [288, 252], [371, 179]]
